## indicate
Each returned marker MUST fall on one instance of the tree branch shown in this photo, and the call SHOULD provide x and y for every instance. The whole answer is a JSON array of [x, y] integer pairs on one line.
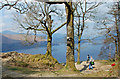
[[81, 7], [54, 11], [59, 27], [10, 5], [94, 6], [55, 2]]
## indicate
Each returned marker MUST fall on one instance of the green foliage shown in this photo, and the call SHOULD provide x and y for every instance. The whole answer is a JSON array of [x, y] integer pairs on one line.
[[78, 62]]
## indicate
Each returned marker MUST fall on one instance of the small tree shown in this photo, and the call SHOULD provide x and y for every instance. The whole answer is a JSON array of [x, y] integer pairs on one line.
[[83, 12]]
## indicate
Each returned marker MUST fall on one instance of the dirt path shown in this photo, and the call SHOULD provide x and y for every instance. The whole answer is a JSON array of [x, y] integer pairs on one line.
[[84, 67]]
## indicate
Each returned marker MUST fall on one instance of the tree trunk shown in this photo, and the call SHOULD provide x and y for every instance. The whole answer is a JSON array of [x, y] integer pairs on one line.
[[49, 38], [49, 46], [109, 53], [118, 35], [118, 31], [79, 38], [116, 50], [117, 25], [70, 63], [78, 60]]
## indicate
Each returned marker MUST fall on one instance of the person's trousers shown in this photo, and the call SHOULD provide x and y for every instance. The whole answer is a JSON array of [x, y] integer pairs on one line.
[[90, 66]]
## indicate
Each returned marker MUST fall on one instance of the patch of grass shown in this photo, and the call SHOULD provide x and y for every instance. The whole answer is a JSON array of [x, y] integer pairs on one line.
[[66, 71], [21, 70]]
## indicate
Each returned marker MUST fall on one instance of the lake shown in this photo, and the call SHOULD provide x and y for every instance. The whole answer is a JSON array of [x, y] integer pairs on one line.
[[59, 51]]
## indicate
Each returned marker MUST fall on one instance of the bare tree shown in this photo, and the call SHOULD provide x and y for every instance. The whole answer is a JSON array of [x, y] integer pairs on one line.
[[118, 32], [17, 5], [119, 36], [111, 27], [70, 63], [38, 18], [84, 11]]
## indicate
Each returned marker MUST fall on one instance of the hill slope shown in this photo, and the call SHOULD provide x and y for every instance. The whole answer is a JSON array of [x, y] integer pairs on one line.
[[17, 42]]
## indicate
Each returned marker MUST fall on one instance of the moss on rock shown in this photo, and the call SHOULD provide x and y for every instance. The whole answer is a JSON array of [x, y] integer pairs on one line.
[[40, 61]]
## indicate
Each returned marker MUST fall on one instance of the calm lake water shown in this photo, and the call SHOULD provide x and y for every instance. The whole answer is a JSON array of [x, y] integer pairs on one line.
[[59, 51]]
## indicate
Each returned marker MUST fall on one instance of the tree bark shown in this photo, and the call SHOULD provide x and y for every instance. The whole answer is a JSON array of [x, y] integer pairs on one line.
[[70, 63], [49, 46], [78, 58], [49, 38]]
